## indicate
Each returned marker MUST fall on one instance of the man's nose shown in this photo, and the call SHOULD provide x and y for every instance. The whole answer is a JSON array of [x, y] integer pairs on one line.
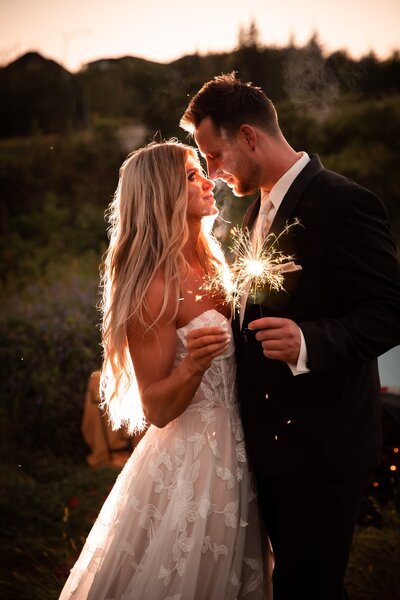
[[214, 172]]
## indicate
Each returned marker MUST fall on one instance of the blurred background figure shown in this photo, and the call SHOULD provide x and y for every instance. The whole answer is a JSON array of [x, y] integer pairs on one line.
[[107, 447]]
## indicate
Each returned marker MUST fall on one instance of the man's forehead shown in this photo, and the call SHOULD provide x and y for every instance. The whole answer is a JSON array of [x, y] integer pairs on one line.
[[208, 137], [206, 129]]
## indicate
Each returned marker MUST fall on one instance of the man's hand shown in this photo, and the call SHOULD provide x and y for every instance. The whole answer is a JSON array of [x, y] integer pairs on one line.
[[280, 338]]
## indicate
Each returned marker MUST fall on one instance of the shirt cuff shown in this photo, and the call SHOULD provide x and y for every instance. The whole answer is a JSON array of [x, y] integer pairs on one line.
[[301, 366]]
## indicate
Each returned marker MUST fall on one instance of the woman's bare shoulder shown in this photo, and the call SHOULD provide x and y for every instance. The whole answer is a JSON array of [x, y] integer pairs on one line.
[[155, 297], [157, 285]]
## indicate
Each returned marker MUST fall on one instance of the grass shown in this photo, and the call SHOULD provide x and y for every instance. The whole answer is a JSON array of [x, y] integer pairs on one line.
[[373, 572], [47, 510]]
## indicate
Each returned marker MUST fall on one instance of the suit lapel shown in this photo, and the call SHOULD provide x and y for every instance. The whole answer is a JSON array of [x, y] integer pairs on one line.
[[251, 213], [289, 202], [294, 194]]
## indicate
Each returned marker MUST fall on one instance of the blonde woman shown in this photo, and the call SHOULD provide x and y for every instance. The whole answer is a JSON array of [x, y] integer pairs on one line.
[[181, 522]]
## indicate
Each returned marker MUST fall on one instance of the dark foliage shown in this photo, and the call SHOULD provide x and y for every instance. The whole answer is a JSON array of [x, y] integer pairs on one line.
[[49, 346], [155, 94]]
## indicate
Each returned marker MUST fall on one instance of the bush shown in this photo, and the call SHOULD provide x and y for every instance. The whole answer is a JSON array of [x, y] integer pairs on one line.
[[49, 346]]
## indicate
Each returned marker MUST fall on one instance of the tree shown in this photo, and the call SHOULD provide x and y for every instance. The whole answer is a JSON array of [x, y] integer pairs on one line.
[[249, 38], [248, 51]]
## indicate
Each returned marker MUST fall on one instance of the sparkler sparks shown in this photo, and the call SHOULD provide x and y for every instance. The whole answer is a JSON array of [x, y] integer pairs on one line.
[[254, 268]]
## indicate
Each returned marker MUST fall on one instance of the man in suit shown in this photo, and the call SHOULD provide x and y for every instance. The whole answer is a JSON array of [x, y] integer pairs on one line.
[[308, 380]]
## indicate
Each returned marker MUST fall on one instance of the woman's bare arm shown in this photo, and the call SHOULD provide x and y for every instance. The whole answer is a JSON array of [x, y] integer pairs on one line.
[[166, 392]]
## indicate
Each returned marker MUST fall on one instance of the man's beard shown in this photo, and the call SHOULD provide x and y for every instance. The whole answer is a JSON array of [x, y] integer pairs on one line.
[[249, 182]]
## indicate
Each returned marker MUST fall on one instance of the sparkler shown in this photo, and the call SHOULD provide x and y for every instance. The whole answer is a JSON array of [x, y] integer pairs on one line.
[[254, 268]]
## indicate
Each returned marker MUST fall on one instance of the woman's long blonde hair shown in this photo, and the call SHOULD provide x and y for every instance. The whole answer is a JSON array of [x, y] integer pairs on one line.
[[147, 233]]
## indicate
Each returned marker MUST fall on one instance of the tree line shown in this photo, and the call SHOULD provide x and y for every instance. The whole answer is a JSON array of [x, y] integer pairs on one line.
[[38, 95]]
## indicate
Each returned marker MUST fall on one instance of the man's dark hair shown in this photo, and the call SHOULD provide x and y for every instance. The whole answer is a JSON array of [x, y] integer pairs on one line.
[[230, 103]]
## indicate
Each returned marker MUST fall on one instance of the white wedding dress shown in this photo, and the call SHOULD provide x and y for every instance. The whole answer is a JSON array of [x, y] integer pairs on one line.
[[181, 522]]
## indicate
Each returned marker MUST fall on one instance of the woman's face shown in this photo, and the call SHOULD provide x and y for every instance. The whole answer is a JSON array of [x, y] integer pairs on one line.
[[201, 201]]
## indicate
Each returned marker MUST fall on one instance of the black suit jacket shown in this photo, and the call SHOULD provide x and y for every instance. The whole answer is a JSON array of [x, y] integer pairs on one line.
[[324, 425]]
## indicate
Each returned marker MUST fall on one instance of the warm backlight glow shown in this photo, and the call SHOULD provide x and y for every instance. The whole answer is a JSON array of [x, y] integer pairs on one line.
[[77, 32]]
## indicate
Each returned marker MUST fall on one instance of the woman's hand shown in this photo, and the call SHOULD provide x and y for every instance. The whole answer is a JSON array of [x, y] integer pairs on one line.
[[204, 344]]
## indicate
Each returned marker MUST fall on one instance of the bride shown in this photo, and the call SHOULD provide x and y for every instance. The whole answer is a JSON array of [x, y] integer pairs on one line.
[[181, 522]]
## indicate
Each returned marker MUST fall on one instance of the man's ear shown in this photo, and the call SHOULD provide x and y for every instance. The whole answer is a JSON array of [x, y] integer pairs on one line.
[[248, 136]]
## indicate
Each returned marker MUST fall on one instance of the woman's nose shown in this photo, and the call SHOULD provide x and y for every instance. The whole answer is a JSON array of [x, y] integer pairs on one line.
[[208, 184]]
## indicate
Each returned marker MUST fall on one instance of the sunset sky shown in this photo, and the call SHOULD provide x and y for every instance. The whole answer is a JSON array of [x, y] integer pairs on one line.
[[74, 32]]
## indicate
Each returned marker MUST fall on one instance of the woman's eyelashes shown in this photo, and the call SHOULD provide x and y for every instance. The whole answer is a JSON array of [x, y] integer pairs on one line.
[[193, 175]]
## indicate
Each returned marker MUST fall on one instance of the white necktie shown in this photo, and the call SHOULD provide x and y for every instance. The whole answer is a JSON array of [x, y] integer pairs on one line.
[[264, 220]]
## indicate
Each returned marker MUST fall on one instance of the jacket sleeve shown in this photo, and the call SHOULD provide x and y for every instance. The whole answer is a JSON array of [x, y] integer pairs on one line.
[[364, 276]]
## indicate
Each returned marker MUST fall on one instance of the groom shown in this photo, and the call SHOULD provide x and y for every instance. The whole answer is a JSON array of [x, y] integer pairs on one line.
[[308, 380]]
